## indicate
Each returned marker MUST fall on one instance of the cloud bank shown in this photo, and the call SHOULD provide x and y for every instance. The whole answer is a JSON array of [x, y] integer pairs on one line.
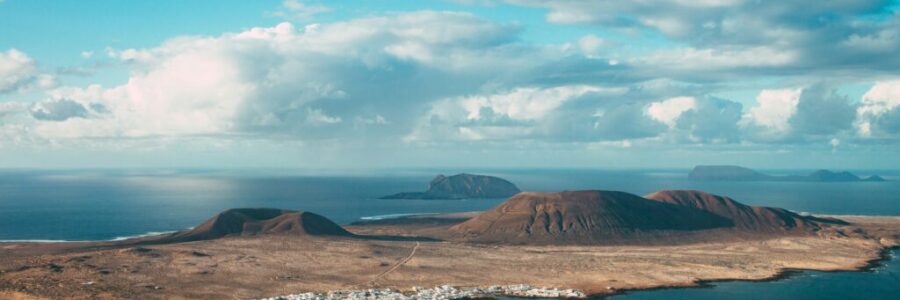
[[437, 79]]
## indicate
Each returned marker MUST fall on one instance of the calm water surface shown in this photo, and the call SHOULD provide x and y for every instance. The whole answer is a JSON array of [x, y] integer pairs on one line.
[[92, 205], [881, 283]]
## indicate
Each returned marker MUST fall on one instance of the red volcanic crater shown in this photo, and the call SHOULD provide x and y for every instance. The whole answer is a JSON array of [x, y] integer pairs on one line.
[[602, 217], [582, 217]]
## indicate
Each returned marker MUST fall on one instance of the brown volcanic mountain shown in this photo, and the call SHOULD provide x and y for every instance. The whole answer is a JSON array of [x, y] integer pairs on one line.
[[744, 217], [582, 217], [257, 221]]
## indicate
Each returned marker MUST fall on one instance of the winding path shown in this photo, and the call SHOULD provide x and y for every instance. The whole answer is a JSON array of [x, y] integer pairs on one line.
[[397, 265]]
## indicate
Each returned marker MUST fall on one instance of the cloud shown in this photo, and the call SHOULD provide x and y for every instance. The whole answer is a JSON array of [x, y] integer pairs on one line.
[[595, 120], [447, 78], [701, 21], [506, 115], [877, 38], [58, 110], [15, 129], [796, 115], [297, 10], [19, 72], [818, 103], [668, 111], [8, 109], [523, 103], [714, 120], [774, 110], [362, 121], [693, 59], [693, 120], [317, 117], [590, 45], [281, 80], [569, 113], [878, 115], [740, 36]]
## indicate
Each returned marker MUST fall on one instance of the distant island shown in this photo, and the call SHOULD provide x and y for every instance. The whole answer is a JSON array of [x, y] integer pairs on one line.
[[462, 186], [738, 173]]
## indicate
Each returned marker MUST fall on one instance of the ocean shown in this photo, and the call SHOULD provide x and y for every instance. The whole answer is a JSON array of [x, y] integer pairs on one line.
[[882, 282], [70, 205], [110, 204]]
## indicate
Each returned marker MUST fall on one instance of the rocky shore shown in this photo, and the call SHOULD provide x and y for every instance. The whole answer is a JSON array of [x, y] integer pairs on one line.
[[441, 292]]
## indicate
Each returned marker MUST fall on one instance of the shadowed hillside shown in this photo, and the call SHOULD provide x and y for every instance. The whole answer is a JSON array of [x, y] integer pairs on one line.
[[257, 221], [743, 216]]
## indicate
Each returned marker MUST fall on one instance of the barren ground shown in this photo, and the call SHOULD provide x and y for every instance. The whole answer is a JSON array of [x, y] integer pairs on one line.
[[263, 266]]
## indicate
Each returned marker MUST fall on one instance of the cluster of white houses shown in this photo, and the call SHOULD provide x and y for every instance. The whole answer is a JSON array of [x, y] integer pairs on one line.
[[444, 292]]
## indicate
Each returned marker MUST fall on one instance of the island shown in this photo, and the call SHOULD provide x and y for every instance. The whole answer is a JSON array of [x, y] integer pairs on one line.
[[569, 244], [462, 186], [738, 173]]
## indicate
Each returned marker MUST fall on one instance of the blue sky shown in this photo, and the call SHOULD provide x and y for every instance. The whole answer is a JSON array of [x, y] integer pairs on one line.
[[384, 84]]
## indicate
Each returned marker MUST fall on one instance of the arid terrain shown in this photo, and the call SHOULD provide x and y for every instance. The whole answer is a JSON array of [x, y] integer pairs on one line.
[[407, 252]]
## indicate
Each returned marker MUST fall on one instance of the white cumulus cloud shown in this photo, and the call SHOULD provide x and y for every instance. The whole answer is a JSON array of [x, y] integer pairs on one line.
[[878, 112], [668, 111], [283, 80], [522, 103], [18, 71], [523, 112], [774, 109]]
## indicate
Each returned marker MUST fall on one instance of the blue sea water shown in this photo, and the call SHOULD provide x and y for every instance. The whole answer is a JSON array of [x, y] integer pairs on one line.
[[106, 204], [102, 205], [109, 204], [882, 282]]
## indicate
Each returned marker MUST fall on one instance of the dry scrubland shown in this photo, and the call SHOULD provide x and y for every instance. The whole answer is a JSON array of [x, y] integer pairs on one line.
[[598, 242], [252, 267]]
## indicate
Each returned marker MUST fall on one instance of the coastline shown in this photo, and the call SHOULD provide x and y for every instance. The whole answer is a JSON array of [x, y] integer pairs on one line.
[[885, 255], [115, 239], [259, 267]]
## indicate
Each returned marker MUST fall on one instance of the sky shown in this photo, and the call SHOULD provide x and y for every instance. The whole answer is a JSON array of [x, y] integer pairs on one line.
[[464, 83]]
